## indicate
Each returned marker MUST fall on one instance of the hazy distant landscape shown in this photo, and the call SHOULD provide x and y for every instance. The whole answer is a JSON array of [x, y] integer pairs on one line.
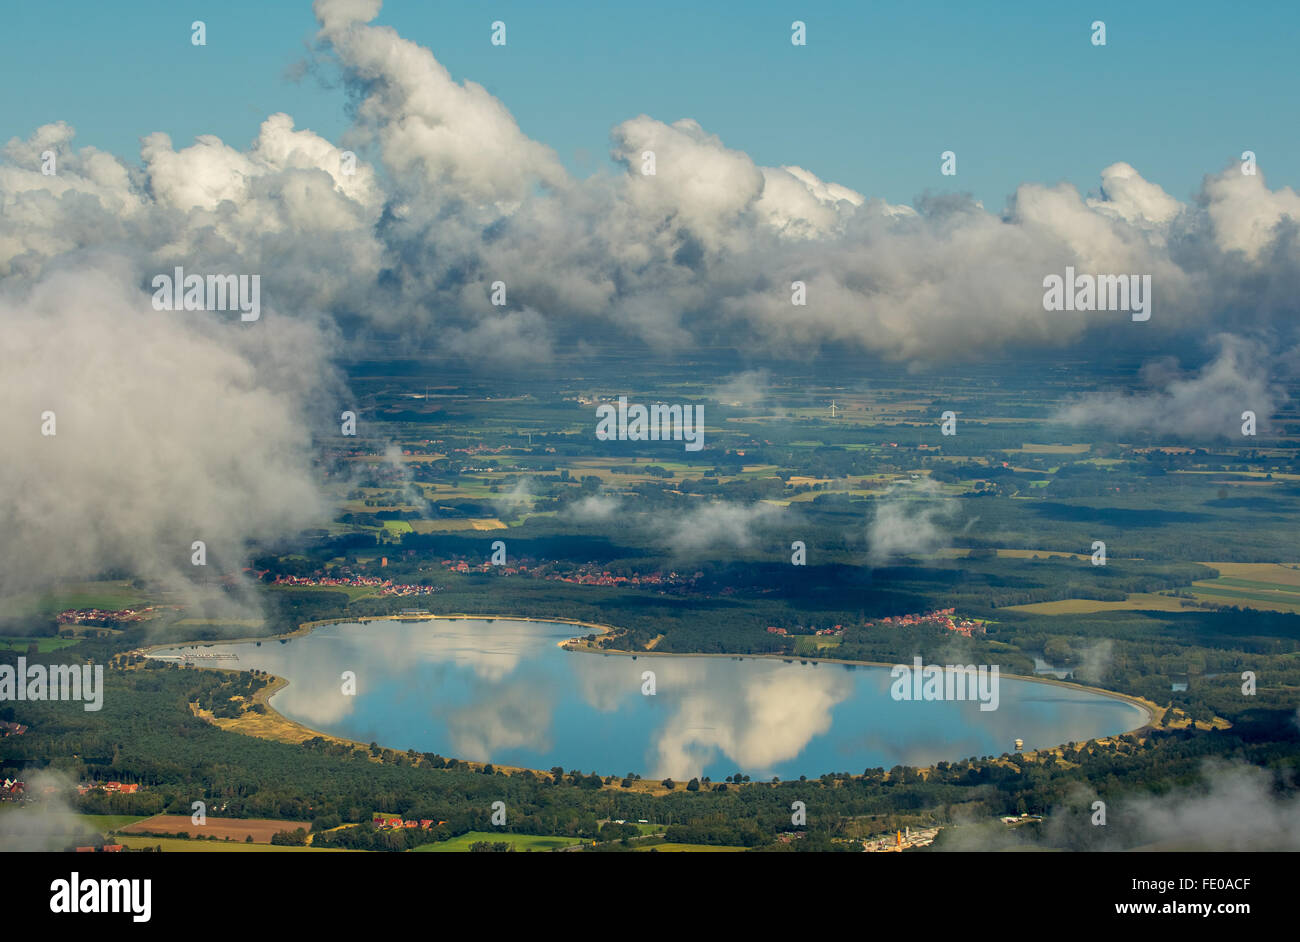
[[675, 502]]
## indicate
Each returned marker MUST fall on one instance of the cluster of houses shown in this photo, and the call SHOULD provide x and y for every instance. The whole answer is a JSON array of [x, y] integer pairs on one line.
[[116, 787], [384, 586], [460, 565], [944, 618], [399, 824], [575, 575], [78, 616], [587, 575], [481, 450], [12, 789], [8, 728]]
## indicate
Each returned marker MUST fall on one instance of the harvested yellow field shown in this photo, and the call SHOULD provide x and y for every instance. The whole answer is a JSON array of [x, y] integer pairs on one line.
[[1032, 449], [261, 830], [1279, 573], [181, 845], [1141, 601], [961, 552], [1044, 554], [455, 524], [1153, 602]]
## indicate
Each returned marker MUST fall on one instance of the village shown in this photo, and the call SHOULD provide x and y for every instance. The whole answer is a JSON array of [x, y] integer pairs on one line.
[[14, 789], [588, 574], [383, 586], [945, 618], [79, 616]]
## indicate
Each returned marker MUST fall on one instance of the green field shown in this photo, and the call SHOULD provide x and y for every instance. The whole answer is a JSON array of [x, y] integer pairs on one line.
[[43, 645], [811, 644], [1288, 602], [521, 842], [109, 595], [1252, 584], [353, 592]]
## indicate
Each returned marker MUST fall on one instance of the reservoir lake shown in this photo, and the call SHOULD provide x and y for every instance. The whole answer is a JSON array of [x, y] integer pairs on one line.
[[502, 691]]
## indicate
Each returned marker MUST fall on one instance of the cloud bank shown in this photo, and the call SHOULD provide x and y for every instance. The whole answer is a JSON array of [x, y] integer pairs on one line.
[[173, 428]]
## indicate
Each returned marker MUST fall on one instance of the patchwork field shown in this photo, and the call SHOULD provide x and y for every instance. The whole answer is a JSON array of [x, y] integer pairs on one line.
[[1138, 601], [237, 829], [1270, 574], [182, 845], [453, 524], [811, 644], [1271, 587]]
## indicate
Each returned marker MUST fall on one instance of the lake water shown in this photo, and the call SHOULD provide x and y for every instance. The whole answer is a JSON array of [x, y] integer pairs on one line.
[[502, 691]]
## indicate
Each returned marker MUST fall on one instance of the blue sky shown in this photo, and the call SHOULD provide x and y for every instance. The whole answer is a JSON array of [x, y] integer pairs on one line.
[[881, 89]]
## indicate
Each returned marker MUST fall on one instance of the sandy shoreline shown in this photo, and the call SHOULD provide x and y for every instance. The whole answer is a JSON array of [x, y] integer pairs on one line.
[[574, 645]]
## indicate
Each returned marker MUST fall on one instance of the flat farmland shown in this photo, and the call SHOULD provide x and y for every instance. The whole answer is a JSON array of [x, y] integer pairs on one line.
[[111, 595], [1260, 574], [1074, 448], [184, 846], [237, 829], [1211, 593], [1139, 601], [453, 524], [43, 645], [110, 822], [520, 842], [961, 552]]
